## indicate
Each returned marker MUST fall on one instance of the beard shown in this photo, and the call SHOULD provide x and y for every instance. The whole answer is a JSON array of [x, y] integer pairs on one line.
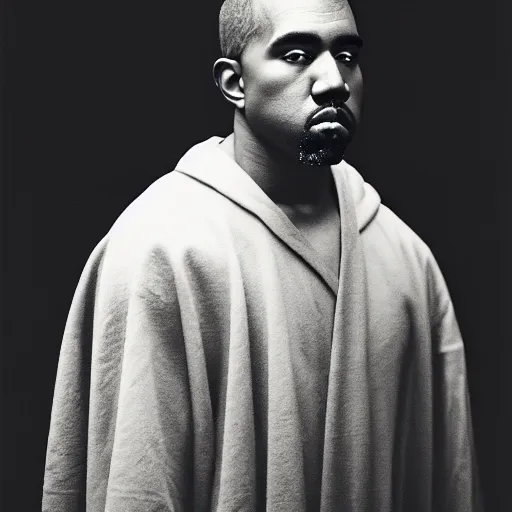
[[320, 149]]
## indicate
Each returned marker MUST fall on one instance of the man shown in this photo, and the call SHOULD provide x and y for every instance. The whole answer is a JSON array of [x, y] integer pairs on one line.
[[257, 331]]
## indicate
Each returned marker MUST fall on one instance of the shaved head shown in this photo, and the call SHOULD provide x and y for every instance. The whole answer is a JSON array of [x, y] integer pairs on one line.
[[242, 20], [239, 21]]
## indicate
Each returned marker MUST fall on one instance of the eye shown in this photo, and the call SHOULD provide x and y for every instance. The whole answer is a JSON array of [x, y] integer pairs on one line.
[[347, 57], [297, 57]]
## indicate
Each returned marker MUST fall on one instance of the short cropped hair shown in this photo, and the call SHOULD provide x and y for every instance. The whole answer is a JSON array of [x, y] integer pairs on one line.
[[239, 21]]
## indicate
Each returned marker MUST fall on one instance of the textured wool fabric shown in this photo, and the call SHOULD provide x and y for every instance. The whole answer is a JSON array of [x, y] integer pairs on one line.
[[212, 361]]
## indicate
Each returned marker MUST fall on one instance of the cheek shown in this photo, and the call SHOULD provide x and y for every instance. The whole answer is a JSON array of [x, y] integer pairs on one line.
[[275, 80], [269, 112], [356, 93], [275, 98], [272, 86]]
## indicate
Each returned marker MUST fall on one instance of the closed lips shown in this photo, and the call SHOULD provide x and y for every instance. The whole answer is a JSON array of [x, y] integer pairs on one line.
[[332, 114]]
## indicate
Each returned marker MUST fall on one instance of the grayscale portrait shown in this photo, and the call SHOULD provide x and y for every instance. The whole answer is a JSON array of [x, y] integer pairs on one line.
[[266, 284]]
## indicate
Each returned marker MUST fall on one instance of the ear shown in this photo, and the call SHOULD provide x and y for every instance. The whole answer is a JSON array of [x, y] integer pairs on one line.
[[228, 77]]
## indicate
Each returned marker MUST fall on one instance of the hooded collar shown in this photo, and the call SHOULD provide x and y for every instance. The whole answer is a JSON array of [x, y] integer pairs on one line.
[[358, 201]]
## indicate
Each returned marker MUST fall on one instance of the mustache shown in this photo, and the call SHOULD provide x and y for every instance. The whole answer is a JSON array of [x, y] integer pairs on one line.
[[344, 113]]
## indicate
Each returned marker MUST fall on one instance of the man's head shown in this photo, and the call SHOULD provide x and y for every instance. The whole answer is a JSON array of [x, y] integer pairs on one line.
[[290, 68]]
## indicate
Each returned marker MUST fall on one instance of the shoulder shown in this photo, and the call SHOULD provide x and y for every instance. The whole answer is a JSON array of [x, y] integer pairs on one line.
[[174, 223], [170, 202], [389, 242], [391, 230], [395, 246], [175, 209], [379, 226]]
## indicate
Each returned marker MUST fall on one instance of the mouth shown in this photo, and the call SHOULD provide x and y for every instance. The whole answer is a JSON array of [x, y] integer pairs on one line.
[[338, 118]]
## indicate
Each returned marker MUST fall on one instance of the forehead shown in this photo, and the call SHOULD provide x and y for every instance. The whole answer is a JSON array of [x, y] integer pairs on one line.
[[307, 15]]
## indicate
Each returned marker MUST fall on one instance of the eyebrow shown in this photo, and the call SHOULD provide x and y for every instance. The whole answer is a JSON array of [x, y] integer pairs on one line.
[[307, 38]]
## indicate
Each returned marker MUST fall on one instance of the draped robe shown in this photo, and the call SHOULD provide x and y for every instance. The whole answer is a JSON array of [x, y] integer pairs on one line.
[[212, 361]]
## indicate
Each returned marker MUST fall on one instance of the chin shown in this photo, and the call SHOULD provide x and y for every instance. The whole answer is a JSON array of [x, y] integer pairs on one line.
[[320, 158], [317, 152]]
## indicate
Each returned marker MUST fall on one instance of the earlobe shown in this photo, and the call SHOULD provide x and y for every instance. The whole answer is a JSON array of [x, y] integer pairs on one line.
[[227, 74]]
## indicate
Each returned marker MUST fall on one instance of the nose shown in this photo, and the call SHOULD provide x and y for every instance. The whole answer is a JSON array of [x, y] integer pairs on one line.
[[328, 83]]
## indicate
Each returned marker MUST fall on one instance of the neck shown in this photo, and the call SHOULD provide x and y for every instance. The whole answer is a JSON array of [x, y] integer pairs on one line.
[[286, 182]]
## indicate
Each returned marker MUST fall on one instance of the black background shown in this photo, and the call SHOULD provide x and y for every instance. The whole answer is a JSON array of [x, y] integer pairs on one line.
[[99, 100]]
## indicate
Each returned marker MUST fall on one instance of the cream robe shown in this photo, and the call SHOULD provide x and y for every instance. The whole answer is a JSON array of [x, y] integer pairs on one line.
[[212, 361]]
